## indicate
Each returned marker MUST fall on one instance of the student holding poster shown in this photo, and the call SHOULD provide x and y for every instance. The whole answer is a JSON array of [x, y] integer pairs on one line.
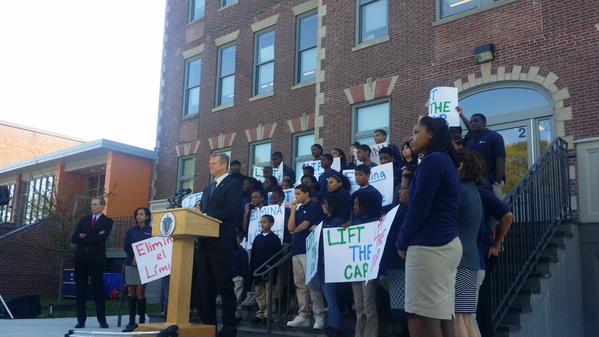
[[257, 202], [305, 213], [136, 290], [367, 208]]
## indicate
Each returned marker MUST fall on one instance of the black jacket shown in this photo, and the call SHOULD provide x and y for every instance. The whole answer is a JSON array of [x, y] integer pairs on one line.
[[223, 204], [92, 248]]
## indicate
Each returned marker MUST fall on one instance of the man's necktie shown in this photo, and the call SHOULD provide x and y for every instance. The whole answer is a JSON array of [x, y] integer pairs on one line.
[[212, 188], [93, 221]]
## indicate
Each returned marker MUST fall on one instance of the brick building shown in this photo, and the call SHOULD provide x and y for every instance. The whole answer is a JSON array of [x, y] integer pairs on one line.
[[345, 68], [19, 142]]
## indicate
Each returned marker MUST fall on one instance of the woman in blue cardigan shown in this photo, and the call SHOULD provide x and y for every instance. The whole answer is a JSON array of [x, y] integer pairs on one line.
[[429, 237]]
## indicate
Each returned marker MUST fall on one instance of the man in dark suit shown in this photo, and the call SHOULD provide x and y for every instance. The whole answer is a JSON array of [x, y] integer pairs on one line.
[[221, 200], [90, 237]]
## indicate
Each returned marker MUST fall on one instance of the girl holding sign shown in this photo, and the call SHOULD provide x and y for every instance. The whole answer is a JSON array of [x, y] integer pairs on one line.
[[429, 237], [136, 291]]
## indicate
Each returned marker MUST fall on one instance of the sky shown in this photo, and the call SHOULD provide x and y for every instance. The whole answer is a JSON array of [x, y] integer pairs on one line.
[[83, 68]]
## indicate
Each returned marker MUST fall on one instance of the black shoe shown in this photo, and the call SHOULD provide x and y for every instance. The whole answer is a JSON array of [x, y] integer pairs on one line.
[[227, 331], [130, 327], [104, 325], [80, 325]]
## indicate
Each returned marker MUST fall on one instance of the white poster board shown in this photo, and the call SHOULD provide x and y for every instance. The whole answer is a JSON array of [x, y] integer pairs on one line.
[[258, 173], [289, 196], [347, 252], [153, 257], [190, 200], [312, 246], [318, 170], [381, 178], [380, 238], [254, 228], [442, 103], [374, 152]]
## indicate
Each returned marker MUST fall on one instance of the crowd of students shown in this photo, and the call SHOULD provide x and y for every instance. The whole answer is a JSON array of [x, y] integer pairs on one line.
[[440, 245]]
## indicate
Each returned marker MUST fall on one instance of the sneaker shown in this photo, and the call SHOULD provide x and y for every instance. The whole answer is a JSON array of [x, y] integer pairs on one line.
[[299, 322], [319, 322]]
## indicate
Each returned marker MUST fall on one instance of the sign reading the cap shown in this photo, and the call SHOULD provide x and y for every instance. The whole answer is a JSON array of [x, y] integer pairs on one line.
[[167, 224]]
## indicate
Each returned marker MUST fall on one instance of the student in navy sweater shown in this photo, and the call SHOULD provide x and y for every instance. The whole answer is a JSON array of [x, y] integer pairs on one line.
[[305, 213], [366, 208], [265, 246], [326, 161], [428, 239], [339, 186]]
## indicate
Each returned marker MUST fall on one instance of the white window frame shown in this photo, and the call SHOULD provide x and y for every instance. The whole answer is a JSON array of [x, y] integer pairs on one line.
[[257, 65], [359, 39], [253, 155], [483, 6], [192, 17], [220, 78], [187, 88], [369, 133], [298, 51], [180, 177], [299, 159], [223, 3]]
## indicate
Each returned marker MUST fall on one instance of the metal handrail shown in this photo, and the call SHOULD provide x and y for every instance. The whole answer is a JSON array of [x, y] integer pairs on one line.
[[281, 260], [540, 202]]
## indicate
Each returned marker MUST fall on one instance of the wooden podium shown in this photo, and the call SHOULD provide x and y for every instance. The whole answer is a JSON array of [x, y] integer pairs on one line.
[[185, 225]]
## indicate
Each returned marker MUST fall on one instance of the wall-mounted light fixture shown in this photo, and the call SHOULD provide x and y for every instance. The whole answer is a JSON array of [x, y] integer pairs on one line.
[[484, 53]]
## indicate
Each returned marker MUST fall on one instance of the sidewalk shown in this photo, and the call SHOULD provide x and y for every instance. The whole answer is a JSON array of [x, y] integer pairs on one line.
[[51, 327]]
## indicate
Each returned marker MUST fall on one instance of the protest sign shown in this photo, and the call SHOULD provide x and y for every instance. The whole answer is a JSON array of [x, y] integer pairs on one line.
[[374, 152], [442, 103], [289, 196], [190, 200], [153, 257], [380, 239], [254, 228], [381, 178], [347, 252], [312, 246], [318, 170]]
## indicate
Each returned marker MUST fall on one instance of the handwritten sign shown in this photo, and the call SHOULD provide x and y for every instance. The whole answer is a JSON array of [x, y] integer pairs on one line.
[[289, 196], [374, 152], [153, 257], [190, 200], [258, 173], [380, 239], [318, 170], [347, 252], [381, 178], [254, 228], [442, 103], [312, 246]]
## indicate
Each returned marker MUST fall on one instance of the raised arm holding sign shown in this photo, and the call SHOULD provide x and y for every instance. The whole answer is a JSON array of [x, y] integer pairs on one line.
[[442, 103]]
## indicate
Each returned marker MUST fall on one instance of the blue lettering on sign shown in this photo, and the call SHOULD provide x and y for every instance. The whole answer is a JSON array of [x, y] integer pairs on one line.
[[377, 176]]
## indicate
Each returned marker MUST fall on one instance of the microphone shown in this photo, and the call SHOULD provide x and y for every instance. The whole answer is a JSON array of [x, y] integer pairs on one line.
[[175, 200]]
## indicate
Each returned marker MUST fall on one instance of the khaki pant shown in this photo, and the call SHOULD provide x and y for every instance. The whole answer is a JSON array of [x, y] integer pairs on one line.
[[261, 289], [305, 293], [367, 316], [239, 287]]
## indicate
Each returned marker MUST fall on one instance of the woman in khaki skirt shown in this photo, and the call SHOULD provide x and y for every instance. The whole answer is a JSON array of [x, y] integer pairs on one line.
[[428, 238], [136, 291]]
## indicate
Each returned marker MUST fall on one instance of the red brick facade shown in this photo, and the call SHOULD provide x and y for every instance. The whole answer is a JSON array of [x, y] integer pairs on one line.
[[551, 44]]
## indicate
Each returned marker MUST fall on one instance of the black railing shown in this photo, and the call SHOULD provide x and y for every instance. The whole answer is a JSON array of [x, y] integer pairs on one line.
[[540, 203], [116, 239], [280, 262]]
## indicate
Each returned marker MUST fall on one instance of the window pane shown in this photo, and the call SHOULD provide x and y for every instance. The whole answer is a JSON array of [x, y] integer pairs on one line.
[[186, 184], [373, 117], [304, 143], [227, 2], [368, 140], [266, 78], [545, 135], [227, 90], [451, 7], [193, 101], [266, 47], [308, 65], [516, 161], [262, 153], [308, 31], [188, 167], [507, 104], [194, 73], [373, 20], [199, 7], [227, 62]]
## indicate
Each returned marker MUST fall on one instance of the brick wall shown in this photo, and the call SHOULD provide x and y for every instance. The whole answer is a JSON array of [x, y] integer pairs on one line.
[[21, 143], [554, 36]]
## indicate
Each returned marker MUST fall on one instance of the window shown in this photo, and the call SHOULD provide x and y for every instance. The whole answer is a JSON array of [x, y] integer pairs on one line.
[[6, 210], [368, 118], [193, 77], [260, 156], [264, 60], [448, 8], [226, 75], [187, 167], [36, 199], [307, 35], [95, 185], [372, 20], [523, 116], [197, 9], [224, 3], [302, 144]]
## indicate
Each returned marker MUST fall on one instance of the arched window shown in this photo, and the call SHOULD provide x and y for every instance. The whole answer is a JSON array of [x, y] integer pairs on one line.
[[522, 114]]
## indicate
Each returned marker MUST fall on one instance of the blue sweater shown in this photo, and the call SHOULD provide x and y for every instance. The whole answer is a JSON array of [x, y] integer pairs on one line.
[[133, 235], [431, 218]]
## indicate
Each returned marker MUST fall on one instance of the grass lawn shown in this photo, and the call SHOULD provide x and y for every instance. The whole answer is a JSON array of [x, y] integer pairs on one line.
[[69, 309]]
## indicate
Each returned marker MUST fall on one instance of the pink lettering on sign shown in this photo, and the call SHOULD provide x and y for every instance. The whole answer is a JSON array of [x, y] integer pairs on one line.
[[139, 247]]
